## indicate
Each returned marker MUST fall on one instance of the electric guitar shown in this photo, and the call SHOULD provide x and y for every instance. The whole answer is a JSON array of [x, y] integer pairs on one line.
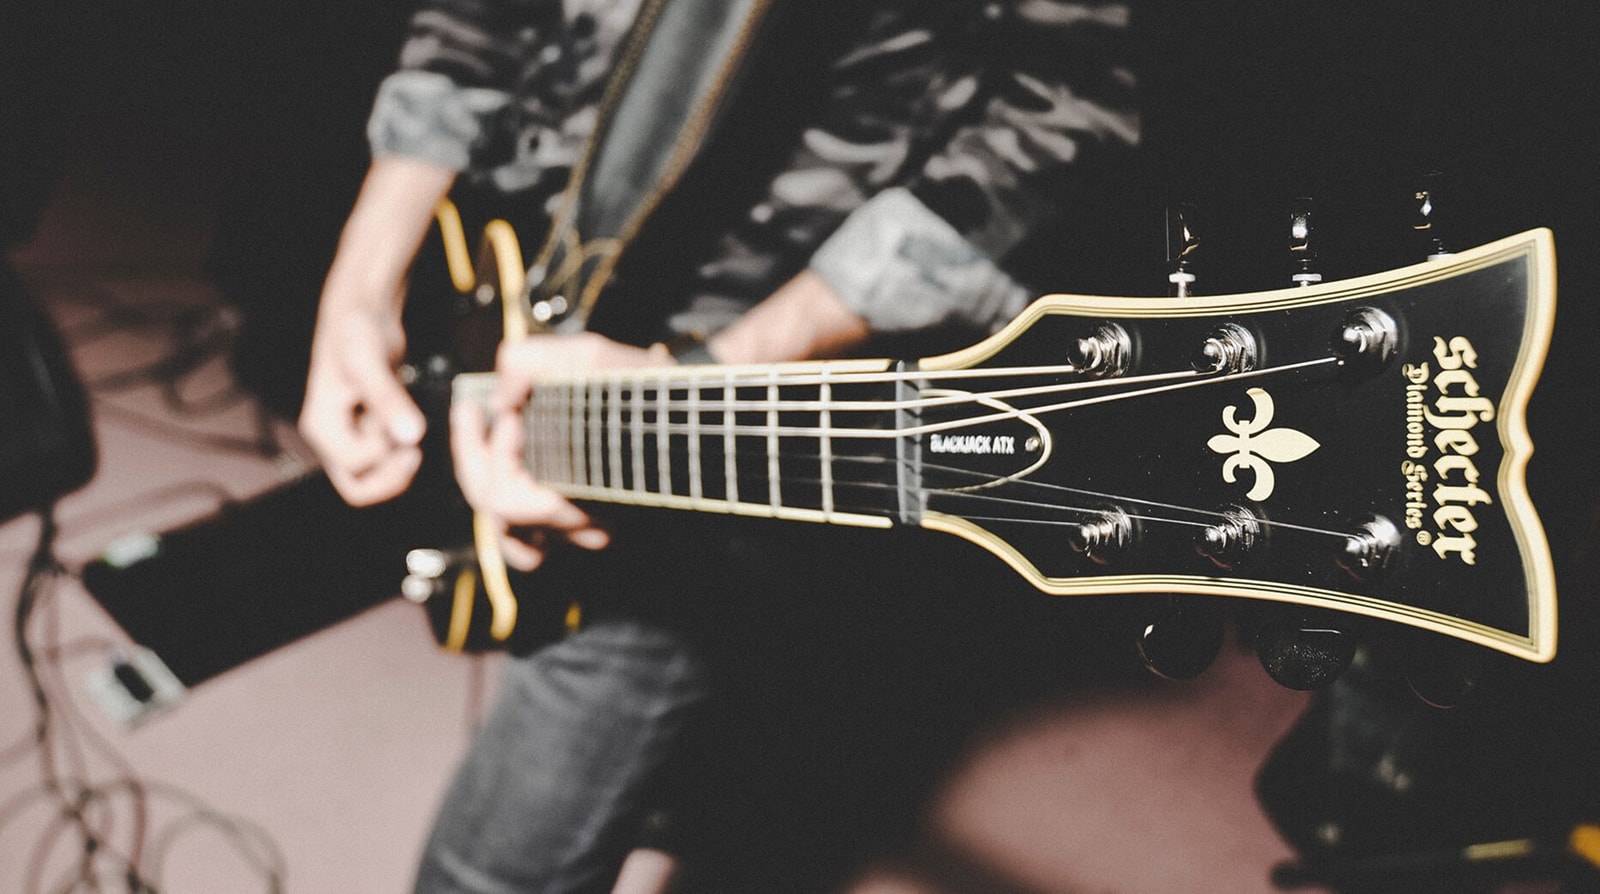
[[1358, 446]]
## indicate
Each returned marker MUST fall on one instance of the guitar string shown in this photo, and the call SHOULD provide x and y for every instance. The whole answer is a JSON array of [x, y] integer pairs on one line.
[[1083, 510], [655, 427], [683, 376], [801, 405], [651, 420], [1045, 485]]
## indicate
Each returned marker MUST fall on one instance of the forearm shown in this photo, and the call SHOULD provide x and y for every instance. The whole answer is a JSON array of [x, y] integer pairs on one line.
[[392, 214], [804, 318], [903, 268], [894, 266]]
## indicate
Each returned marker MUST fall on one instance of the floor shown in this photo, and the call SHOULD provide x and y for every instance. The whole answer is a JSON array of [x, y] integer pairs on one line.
[[317, 763], [315, 768]]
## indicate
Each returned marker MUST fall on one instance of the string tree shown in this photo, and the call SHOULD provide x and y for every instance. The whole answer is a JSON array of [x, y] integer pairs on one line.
[[1302, 244], [1183, 247], [1425, 218]]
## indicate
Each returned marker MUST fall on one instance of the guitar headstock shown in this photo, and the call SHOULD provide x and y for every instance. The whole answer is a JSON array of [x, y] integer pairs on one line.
[[1357, 445]]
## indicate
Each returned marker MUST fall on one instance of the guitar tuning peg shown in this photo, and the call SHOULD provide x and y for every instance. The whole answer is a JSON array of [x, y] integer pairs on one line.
[[1442, 672], [1304, 651], [1182, 637], [1183, 243], [1425, 215], [1301, 245]]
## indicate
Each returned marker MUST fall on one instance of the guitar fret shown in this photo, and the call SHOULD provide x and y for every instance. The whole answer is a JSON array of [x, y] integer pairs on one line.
[[730, 453], [596, 402], [548, 435], [564, 451], [636, 433], [614, 418], [825, 445], [663, 438], [774, 492], [695, 488], [541, 466], [576, 432]]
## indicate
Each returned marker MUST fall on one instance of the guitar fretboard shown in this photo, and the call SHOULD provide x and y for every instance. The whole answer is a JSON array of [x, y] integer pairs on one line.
[[812, 441]]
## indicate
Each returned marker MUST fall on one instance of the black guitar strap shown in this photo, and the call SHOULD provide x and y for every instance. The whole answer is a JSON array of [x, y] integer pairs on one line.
[[672, 80]]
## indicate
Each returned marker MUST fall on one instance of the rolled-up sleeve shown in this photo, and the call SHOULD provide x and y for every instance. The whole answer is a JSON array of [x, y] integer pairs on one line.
[[902, 268], [1014, 101], [428, 116], [501, 89]]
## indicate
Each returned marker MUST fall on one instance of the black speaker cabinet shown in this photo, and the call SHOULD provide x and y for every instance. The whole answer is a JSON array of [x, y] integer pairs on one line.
[[47, 448]]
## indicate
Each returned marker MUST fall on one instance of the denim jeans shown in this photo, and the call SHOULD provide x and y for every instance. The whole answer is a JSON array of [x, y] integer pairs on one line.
[[550, 794]]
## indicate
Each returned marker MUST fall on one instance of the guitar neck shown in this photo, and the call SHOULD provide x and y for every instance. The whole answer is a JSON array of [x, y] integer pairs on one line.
[[814, 441], [1358, 445]]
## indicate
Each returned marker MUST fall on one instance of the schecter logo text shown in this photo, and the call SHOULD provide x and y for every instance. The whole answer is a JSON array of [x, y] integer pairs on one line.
[[1456, 407]]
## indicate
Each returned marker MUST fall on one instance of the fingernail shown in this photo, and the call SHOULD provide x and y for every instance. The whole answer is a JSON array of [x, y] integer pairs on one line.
[[591, 538]]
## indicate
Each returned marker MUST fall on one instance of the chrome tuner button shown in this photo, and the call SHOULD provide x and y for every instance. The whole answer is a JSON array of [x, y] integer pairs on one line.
[[429, 563], [1230, 348], [1101, 536], [1372, 549], [428, 570], [1230, 540], [1104, 353], [548, 310], [1367, 339], [419, 589]]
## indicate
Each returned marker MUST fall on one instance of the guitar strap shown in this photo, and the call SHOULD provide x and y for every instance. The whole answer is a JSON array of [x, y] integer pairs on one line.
[[672, 81], [674, 73]]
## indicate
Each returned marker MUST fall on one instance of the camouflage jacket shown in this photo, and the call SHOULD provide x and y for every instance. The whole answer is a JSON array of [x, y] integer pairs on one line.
[[899, 148]]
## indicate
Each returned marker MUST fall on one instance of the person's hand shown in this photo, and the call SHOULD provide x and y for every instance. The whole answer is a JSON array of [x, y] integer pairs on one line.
[[357, 416], [362, 424], [487, 444]]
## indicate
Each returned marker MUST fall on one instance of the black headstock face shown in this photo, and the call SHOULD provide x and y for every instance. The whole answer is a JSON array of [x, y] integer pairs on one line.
[[1358, 445]]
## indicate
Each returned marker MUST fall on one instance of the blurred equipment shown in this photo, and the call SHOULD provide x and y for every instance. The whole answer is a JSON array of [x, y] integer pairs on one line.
[[1572, 861], [47, 448], [210, 596]]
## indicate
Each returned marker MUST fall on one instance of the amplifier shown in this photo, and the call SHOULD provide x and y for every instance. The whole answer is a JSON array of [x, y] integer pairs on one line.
[[214, 594]]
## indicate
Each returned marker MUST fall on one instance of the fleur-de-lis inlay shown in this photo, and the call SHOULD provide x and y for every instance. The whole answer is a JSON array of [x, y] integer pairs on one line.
[[1253, 446]]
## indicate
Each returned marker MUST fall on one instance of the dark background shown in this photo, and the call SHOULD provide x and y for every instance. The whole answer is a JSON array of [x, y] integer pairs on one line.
[[257, 110]]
